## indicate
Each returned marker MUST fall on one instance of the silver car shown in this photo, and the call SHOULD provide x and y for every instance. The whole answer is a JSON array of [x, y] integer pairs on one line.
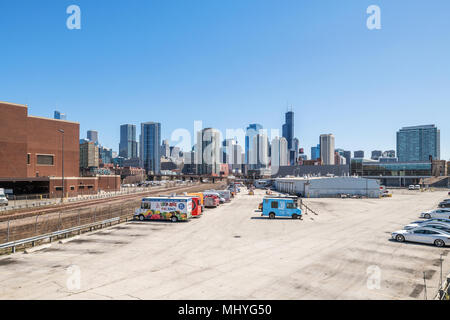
[[443, 213], [423, 223], [3, 200], [423, 235]]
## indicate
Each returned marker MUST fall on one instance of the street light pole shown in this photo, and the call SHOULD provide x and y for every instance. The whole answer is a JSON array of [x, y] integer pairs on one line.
[[62, 160]]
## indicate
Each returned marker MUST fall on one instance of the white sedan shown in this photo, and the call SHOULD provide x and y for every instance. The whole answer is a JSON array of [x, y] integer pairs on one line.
[[423, 235], [443, 213], [423, 223]]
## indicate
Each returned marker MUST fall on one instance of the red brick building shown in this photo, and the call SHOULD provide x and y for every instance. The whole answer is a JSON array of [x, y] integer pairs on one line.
[[31, 154], [32, 146]]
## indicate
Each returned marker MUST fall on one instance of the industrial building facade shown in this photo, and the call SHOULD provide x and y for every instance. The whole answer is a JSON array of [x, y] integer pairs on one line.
[[31, 155], [32, 146], [329, 187]]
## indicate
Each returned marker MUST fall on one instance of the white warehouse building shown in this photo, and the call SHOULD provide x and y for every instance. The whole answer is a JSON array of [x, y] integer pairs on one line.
[[323, 187]]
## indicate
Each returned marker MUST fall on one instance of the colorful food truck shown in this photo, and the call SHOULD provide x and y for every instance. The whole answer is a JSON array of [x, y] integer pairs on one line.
[[281, 207], [165, 208], [197, 194]]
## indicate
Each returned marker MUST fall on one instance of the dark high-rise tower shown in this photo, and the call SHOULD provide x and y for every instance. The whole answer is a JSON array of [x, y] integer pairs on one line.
[[151, 146], [288, 129], [128, 143]]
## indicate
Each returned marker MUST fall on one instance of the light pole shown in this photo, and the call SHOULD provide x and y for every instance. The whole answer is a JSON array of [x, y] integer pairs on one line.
[[62, 160]]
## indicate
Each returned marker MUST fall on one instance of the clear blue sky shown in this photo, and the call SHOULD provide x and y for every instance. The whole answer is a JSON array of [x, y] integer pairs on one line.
[[233, 62]]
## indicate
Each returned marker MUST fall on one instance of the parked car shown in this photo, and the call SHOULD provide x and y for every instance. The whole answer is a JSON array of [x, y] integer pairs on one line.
[[422, 223], [211, 201], [444, 204], [438, 213], [423, 235], [3, 199], [435, 225], [417, 187], [411, 187]]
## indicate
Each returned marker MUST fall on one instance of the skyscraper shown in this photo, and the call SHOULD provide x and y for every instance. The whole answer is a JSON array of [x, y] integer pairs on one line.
[[359, 154], [279, 154], [165, 149], [327, 149], [151, 146], [128, 144], [376, 154], [288, 129], [418, 143], [348, 157], [92, 135], [259, 152], [294, 151], [60, 116], [252, 130], [208, 151], [315, 152]]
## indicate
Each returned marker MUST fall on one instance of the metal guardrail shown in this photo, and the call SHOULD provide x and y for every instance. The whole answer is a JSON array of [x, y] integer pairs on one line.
[[14, 244]]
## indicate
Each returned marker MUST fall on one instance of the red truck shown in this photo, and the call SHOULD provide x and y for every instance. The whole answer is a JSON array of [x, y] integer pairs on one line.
[[211, 201], [196, 206]]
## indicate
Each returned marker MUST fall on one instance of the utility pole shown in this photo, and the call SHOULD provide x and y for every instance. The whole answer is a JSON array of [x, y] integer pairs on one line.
[[441, 260], [62, 159], [425, 285]]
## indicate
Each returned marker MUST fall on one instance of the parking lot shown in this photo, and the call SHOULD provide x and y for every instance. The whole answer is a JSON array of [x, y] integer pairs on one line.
[[231, 252]]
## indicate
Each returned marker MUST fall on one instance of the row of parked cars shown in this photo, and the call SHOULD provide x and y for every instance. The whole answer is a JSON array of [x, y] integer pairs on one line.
[[434, 230], [182, 207]]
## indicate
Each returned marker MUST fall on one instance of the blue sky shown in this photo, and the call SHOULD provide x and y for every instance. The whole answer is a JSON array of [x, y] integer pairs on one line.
[[231, 63]]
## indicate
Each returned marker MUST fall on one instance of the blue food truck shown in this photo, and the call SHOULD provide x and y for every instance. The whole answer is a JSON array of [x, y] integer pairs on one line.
[[281, 207]]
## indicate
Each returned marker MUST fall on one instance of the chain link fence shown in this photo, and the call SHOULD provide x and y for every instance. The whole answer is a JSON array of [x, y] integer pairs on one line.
[[13, 230]]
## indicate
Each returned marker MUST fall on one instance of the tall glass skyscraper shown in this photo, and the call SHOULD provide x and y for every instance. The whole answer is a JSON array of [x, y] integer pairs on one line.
[[288, 129], [151, 146], [128, 143], [252, 131], [92, 135], [418, 143]]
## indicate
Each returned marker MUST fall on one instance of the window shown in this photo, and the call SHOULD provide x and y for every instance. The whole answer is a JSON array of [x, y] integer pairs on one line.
[[145, 205], [274, 205], [28, 158], [419, 232], [72, 188], [58, 188], [45, 160], [290, 205]]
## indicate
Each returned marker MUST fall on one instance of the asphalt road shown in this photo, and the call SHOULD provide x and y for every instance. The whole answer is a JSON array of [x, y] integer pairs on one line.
[[345, 252]]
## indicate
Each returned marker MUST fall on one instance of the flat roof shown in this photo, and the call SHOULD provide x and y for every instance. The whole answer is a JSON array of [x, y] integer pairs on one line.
[[167, 197], [51, 119], [31, 179], [14, 104]]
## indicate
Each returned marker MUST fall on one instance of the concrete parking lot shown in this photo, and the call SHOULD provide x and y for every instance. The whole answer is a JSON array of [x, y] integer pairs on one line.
[[231, 252]]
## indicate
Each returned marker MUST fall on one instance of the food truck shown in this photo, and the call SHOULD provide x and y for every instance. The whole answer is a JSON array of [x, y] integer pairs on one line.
[[197, 208], [211, 200], [281, 207], [165, 208], [197, 194]]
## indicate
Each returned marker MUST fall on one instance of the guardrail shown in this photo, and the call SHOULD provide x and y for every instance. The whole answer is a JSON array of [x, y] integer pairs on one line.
[[33, 240]]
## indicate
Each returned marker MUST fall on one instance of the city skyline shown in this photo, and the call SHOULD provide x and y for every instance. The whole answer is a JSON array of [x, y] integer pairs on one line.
[[386, 79]]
